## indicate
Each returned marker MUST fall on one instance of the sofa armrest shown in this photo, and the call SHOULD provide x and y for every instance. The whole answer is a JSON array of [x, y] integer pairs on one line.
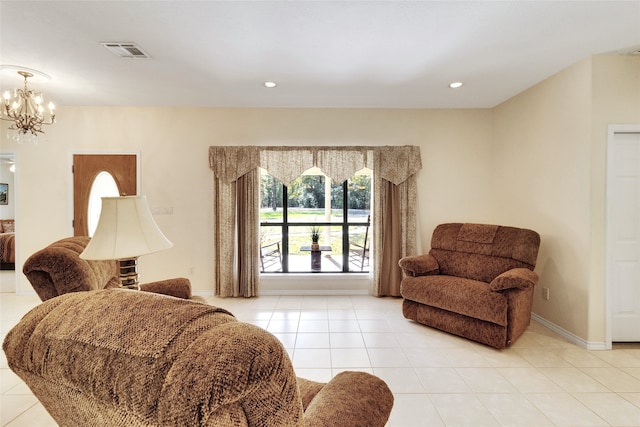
[[520, 278], [179, 287], [419, 265], [350, 399]]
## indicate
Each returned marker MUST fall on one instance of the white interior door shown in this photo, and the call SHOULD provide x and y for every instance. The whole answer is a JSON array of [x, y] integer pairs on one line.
[[623, 236]]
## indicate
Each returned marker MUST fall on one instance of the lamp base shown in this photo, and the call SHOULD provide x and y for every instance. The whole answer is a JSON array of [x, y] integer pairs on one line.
[[129, 273]]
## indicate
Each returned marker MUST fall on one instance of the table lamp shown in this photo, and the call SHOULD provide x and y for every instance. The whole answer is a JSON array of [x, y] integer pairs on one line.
[[126, 230]]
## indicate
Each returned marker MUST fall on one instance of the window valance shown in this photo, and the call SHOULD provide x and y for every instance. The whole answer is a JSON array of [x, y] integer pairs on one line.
[[285, 163]]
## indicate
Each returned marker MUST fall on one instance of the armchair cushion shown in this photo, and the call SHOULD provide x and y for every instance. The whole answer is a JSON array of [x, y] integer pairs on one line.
[[519, 278], [467, 297]]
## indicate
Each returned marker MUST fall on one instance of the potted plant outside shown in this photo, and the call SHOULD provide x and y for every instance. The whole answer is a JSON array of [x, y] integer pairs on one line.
[[316, 260], [315, 237]]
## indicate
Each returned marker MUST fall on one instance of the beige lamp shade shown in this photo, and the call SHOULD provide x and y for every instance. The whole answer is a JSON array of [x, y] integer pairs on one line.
[[126, 229]]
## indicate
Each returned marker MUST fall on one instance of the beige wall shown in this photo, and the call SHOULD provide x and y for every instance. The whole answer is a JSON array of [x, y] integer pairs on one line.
[[542, 166], [536, 161], [454, 185], [549, 153]]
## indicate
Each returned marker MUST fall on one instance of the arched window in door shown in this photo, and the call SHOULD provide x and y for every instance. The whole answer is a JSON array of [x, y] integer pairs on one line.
[[103, 186]]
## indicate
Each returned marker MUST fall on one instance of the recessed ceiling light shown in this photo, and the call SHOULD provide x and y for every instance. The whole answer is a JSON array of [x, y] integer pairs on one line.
[[455, 85], [270, 84]]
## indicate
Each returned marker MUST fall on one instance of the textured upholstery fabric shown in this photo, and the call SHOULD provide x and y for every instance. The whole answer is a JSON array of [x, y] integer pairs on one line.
[[477, 282], [123, 358], [58, 269], [7, 226], [519, 278], [466, 296]]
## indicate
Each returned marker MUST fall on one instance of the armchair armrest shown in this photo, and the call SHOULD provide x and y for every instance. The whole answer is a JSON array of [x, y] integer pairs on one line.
[[179, 287], [57, 270], [515, 278], [350, 399], [419, 265]]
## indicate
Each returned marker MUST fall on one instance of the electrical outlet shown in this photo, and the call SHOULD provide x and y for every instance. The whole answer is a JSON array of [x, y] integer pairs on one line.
[[545, 294]]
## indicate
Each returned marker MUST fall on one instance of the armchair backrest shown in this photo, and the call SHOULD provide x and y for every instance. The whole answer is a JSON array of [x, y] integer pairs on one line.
[[483, 251], [58, 269], [116, 357]]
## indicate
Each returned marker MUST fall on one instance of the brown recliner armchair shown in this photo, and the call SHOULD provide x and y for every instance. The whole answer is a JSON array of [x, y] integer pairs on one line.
[[477, 281], [120, 358], [58, 269]]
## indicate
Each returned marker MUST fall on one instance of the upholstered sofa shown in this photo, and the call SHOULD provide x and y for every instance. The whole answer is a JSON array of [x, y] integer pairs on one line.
[[118, 357], [477, 281], [58, 269]]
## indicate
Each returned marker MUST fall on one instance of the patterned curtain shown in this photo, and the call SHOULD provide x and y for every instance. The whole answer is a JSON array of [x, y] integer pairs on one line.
[[236, 210], [338, 163], [394, 214], [235, 220]]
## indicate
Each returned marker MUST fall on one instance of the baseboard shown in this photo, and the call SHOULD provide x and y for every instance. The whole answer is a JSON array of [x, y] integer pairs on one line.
[[315, 284], [202, 293], [313, 292], [309, 284], [7, 281], [302, 292], [588, 345]]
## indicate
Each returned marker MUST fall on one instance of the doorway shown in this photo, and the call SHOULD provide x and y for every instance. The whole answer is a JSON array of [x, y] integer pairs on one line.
[[89, 172], [623, 234], [8, 212]]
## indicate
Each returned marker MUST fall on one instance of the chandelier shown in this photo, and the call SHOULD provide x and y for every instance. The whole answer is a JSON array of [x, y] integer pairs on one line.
[[24, 108]]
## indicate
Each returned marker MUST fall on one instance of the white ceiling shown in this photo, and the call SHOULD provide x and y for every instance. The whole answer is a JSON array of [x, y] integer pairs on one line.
[[373, 54]]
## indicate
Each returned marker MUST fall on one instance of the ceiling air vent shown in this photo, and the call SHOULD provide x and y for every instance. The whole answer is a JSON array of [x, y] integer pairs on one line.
[[125, 50]]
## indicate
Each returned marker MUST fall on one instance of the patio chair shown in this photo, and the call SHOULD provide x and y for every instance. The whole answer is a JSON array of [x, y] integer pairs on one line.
[[359, 252], [270, 255]]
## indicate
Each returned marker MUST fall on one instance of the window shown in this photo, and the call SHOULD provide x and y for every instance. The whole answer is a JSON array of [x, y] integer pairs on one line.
[[103, 186], [340, 211]]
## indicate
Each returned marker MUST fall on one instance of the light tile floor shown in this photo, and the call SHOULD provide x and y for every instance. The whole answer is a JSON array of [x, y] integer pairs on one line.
[[437, 379]]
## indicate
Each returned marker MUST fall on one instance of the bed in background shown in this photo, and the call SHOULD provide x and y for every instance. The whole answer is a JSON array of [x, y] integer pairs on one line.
[[7, 244]]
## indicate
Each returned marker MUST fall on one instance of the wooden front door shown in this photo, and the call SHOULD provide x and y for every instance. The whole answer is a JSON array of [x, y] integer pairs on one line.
[[86, 167]]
